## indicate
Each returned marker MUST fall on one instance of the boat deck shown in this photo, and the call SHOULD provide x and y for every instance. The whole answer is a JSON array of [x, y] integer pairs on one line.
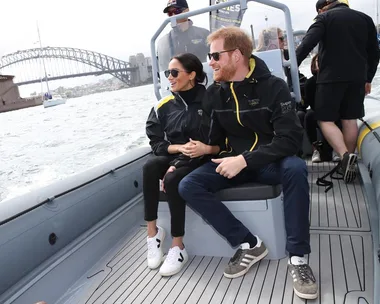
[[342, 260]]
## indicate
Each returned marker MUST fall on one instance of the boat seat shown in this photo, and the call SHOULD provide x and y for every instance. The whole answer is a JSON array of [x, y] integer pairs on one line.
[[245, 192], [259, 207]]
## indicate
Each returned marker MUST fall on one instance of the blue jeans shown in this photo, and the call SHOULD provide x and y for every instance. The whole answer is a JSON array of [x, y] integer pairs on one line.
[[199, 186]]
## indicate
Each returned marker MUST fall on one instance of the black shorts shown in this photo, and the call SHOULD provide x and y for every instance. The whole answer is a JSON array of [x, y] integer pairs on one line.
[[339, 100]]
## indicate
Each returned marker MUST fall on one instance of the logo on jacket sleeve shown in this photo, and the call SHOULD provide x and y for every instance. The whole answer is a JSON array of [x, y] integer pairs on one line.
[[286, 107]]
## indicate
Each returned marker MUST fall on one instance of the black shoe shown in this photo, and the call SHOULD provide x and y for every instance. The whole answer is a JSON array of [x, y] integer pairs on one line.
[[348, 165]]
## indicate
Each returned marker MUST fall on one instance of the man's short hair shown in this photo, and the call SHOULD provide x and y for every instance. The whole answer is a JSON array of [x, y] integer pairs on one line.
[[234, 38]]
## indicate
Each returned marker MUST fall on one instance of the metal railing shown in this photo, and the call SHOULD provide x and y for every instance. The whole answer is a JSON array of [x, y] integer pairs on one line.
[[243, 6]]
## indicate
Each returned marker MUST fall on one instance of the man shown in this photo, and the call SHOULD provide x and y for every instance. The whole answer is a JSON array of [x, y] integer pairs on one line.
[[254, 112], [184, 38], [348, 59]]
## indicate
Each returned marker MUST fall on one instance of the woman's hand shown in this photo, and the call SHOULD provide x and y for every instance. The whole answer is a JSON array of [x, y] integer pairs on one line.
[[196, 149], [171, 169], [185, 148]]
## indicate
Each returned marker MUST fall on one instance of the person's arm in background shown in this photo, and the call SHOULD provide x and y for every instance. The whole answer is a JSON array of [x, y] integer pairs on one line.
[[312, 38]]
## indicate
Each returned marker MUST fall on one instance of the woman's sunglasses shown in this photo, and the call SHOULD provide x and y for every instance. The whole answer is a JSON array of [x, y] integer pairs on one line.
[[176, 11], [173, 72], [216, 55]]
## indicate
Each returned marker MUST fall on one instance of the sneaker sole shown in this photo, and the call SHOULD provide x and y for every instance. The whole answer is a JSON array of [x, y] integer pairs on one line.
[[162, 254], [350, 175], [168, 274], [243, 272], [305, 295]]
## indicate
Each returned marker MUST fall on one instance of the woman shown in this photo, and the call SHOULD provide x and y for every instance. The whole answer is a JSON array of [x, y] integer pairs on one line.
[[176, 128], [271, 39]]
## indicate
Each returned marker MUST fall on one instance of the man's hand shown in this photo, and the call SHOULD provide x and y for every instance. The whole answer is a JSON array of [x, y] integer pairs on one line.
[[230, 166], [368, 88], [171, 169]]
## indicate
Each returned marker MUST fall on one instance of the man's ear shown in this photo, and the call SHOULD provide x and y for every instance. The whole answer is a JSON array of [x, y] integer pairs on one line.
[[237, 56]]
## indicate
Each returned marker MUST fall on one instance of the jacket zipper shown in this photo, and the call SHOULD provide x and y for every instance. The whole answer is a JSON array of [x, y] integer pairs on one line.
[[238, 116], [186, 106]]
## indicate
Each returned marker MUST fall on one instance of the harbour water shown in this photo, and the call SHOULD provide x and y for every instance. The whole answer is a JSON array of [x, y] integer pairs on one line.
[[39, 146]]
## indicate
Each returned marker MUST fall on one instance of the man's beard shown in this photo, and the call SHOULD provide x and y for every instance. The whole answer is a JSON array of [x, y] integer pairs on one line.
[[226, 73]]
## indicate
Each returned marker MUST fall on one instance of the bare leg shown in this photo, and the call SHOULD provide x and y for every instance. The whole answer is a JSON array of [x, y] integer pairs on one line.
[[178, 241], [152, 228], [334, 136], [350, 134]]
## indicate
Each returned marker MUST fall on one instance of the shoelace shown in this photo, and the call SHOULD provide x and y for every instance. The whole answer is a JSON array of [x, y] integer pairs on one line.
[[172, 256], [152, 245], [236, 256], [304, 274]]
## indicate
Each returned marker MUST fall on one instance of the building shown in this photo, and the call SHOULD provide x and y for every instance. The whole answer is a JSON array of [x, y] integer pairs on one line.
[[10, 96]]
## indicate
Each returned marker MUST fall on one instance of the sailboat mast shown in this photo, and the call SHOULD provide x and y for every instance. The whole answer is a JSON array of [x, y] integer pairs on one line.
[[377, 16], [43, 61]]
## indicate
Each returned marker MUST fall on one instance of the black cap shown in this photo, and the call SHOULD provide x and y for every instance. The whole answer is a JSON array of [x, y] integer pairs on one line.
[[176, 3], [322, 3]]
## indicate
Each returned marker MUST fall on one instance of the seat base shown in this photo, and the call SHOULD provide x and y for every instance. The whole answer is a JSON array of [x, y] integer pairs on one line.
[[264, 218]]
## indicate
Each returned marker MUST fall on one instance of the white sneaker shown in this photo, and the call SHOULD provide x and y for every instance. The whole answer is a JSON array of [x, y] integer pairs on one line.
[[316, 157], [174, 261], [155, 254], [335, 157]]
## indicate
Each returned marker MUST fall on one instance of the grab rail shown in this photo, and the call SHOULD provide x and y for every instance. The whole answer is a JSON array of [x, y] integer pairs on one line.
[[243, 6]]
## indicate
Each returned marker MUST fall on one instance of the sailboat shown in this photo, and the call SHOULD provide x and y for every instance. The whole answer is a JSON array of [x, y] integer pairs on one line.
[[49, 100]]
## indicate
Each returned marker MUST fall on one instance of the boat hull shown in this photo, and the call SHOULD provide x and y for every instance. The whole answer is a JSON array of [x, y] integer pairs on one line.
[[53, 102]]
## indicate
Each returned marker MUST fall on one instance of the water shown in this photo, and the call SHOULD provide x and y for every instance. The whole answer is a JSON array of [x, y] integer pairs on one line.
[[40, 146]]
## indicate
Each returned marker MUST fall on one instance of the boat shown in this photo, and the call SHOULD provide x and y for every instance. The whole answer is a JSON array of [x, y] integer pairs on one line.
[[48, 99], [83, 239], [55, 100]]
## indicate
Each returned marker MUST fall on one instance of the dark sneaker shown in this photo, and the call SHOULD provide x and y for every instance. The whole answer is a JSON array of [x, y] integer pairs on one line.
[[304, 284], [244, 258], [348, 165]]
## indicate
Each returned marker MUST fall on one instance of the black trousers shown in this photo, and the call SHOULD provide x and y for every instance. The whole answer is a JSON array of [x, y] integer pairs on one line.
[[154, 170], [311, 126]]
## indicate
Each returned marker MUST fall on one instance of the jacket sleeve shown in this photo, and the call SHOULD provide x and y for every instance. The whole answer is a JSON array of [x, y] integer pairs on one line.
[[312, 38], [372, 51], [287, 129], [216, 136], [156, 134]]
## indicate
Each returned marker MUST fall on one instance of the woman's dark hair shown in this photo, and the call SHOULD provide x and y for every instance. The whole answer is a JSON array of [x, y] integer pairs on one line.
[[191, 63], [314, 65]]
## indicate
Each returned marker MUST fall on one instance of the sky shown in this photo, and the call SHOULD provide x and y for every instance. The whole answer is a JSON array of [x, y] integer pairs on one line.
[[121, 28]]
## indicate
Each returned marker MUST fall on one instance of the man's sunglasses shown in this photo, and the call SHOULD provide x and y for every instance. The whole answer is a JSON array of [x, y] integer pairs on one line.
[[176, 11], [216, 55], [282, 38], [174, 73]]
